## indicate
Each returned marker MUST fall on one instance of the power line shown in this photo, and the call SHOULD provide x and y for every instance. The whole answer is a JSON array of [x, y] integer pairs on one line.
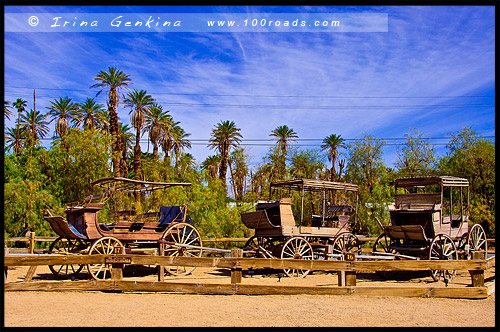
[[275, 96]]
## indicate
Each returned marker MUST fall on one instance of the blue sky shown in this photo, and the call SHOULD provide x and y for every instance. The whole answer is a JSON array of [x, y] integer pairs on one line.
[[433, 70]]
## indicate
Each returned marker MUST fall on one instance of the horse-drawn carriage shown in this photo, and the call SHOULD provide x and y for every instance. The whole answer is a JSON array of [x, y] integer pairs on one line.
[[324, 231], [429, 220], [168, 231]]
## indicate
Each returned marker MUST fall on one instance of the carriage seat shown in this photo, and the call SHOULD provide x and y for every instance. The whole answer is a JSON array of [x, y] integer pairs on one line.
[[63, 228], [171, 214]]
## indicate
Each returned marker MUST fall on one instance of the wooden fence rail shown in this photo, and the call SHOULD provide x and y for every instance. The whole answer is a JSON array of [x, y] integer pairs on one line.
[[252, 263], [237, 263]]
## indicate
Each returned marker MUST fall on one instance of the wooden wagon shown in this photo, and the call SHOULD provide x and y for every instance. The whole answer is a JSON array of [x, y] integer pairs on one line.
[[80, 232], [430, 220], [319, 234]]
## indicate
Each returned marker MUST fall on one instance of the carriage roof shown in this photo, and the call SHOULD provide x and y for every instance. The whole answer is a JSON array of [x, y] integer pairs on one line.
[[444, 180], [313, 185], [132, 186]]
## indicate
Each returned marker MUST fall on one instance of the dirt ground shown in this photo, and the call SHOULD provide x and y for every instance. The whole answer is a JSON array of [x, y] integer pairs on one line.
[[141, 309]]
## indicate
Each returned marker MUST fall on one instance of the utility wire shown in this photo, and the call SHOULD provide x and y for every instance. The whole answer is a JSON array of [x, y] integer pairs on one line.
[[271, 96]]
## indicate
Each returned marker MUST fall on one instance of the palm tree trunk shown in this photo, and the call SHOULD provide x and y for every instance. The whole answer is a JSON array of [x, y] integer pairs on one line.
[[155, 150], [332, 171], [113, 129], [223, 169], [232, 182], [137, 155]]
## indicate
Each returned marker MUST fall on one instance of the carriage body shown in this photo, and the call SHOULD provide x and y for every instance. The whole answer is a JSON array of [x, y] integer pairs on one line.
[[430, 220], [321, 232], [167, 231]]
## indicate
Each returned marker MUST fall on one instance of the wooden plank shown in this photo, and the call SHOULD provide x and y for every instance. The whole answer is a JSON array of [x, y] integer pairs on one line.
[[59, 286], [414, 265], [53, 259], [490, 287], [228, 289], [434, 292], [254, 263], [30, 273], [490, 262]]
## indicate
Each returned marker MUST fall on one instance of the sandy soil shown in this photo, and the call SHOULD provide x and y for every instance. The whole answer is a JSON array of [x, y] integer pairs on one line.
[[104, 309]]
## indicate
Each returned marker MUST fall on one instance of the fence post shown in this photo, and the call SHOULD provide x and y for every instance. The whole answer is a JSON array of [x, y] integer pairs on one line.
[[347, 278], [117, 271], [477, 276], [236, 273], [32, 243], [161, 268]]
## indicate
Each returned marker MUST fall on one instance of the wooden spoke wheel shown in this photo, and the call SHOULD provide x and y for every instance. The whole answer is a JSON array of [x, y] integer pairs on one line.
[[297, 248], [63, 246], [476, 239], [383, 244], [443, 248], [262, 246], [104, 246], [181, 238], [346, 242]]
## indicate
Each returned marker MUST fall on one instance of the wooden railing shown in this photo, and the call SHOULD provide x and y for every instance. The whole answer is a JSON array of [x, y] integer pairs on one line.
[[347, 284]]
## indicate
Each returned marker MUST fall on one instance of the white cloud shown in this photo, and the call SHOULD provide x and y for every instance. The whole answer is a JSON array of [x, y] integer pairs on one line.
[[428, 51]]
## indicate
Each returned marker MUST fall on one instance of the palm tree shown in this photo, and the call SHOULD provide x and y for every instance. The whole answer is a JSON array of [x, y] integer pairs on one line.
[[126, 139], [34, 126], [284, 136], [6, 109], [20, 105], [224, 136], [239, 170], [157, 123], [167, 138], [113, 80], [186, 164], [61, 109], [180, 142], [89, 114], [14, 140], [138, 101], [331, 144], [211, 164]]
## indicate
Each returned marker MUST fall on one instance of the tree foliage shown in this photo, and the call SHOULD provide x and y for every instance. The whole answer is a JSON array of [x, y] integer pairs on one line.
[[473, 158], [37, 179]]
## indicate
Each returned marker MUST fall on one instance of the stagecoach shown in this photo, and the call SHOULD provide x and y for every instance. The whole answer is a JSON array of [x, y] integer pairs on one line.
[[168, 231], [430, 220], [326, 215]]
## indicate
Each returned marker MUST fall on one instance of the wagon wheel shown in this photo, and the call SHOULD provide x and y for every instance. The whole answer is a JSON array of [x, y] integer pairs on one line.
[[443, 248], [476, 239], [297, 248], [258, 243], [64, 246], [104, 246], [184, 235], [383, 245], [346, 242]]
